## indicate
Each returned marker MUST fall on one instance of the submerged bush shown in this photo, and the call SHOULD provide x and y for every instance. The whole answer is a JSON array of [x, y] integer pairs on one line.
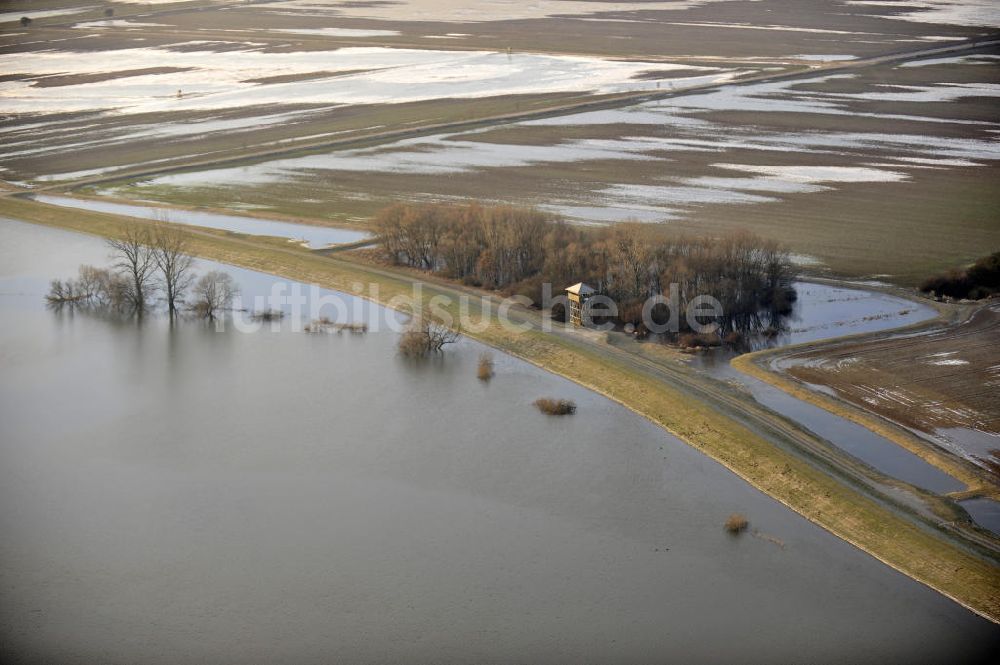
[[268, 315], [736, 523], [93, 288], [555, 407], [214, 292], [424, 336], [485, 369], [326, 325]]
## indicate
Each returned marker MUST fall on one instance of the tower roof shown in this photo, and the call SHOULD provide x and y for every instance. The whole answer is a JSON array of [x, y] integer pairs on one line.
[[580, 289]]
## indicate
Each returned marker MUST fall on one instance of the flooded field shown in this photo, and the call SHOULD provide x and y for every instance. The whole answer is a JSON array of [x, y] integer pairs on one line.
[[823, 311], [942, 385], [826, 312], [831, 150], [87, 96], [225, 496]]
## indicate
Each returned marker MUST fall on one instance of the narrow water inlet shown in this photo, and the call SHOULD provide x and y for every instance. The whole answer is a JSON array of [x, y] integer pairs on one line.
[[860, 442], [313, 236], [984, 512]]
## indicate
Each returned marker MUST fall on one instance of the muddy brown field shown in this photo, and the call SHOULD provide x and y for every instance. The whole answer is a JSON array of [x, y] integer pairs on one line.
[[942, 383]]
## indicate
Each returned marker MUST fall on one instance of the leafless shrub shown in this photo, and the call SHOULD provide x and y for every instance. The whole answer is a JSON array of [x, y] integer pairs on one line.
[[736, 523], [64, 293], [424, 336], [214, 292], [555, 407], [485, 369], [93, 287]]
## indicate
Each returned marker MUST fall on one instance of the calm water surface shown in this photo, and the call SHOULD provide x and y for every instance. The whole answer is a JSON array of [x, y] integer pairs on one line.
[[313, 236], [823, 311], [179, 495]]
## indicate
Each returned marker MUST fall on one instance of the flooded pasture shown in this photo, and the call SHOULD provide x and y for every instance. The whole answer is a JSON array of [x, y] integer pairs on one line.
[[233, 496]]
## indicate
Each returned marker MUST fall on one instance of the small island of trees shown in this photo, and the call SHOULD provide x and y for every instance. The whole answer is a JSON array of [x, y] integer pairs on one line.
[[518, 250], [146, 262]]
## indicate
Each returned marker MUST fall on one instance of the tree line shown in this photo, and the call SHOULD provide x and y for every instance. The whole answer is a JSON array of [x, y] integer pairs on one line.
[[518, 250]]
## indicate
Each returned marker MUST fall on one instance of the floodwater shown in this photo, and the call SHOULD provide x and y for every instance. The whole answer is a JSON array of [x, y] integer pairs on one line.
[[860, 442], [824, 312], [986, 513], [663, 147], [215, 79], [181, 495], [312, 236]]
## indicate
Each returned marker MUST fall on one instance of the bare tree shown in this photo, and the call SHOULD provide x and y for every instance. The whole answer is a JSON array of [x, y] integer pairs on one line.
[[424, 336], [214, 292], [174, 263], [134, 258]]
